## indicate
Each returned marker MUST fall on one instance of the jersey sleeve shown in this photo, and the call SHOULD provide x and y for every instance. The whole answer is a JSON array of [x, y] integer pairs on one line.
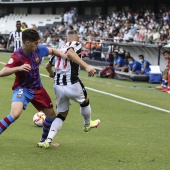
[[14, 61], [134, 66], [43, 51], [119, 61]]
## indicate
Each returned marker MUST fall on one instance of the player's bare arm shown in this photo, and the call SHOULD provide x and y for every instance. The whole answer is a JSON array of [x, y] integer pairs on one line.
[[57, 52], [72, 55], [6, 71], [50, 70]]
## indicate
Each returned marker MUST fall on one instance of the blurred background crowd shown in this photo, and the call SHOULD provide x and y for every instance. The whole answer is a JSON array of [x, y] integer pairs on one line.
[[120, 26]]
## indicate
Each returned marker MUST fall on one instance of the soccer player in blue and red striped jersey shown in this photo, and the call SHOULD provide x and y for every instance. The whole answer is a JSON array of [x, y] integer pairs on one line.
[[24, 63]]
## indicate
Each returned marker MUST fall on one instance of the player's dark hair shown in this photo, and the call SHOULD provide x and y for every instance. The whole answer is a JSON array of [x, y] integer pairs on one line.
[[142, 56], [18, 22], [30, 35], [130, 57], [72, 32], [116, 52], [166, 51]]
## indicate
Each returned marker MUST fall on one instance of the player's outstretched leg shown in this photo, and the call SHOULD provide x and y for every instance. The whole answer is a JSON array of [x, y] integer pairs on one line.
[[55, 127], [4, 123], [46, 127]]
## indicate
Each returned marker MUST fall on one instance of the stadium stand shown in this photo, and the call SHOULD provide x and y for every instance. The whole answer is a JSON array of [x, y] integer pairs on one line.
[[127, 28], [8, 22]]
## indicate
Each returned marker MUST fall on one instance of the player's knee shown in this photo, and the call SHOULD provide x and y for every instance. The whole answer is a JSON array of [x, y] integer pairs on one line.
[[85, 103], [61, 117]]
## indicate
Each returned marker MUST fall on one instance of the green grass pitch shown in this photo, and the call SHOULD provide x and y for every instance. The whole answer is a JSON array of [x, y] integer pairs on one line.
[[131, 136]]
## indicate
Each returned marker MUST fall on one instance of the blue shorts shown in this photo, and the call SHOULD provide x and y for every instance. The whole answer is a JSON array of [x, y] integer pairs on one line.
[[39, 98]]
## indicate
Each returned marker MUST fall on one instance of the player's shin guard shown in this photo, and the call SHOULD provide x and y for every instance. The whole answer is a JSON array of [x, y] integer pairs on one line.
[[46, 127], [85, 111], [55, 127], [4, 123]]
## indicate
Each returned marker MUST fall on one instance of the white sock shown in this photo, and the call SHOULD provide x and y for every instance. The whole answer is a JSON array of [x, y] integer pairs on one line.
[[55, 127], [86, 113]]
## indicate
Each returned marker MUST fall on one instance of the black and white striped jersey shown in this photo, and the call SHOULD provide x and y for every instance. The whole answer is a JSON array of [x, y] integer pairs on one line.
[[16, 37], [66, 71]]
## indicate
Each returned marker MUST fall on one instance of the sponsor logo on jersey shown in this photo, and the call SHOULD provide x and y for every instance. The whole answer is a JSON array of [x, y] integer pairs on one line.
[[11, 60]]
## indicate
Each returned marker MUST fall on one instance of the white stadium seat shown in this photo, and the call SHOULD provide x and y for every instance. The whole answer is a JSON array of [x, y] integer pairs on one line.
[[8, 23]]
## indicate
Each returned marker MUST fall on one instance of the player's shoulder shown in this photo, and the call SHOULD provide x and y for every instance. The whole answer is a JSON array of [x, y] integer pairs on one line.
[[15, 57], [42, 47], [73, 43], [12, 32]]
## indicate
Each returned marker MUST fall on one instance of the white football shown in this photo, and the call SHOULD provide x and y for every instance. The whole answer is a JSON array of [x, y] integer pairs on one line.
[[39, 118]]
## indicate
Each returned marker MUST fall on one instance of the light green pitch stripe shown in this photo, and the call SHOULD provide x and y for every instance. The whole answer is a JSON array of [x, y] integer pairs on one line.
[[116, 96]]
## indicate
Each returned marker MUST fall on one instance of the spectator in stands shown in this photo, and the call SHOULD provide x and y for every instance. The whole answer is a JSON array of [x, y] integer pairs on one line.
[[84, 53], [163, 37], [156, 36], [74, 12], [138, 37], [60, 29], [145, 69], [62, 18], [61, 42], [49, 41], [70, 18], [65, 18], [23, 26], [142, 31], [127, 36], [34, 27], [68, 28], [134, 66], [118, 61], [15, 37], [46, 34], [165, 75], [41, 35], [132, 26], [149, 35], [96, 52]]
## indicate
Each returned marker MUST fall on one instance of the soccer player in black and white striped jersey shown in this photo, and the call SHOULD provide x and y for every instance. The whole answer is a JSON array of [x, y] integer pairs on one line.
[[67, 85], [16, 37]]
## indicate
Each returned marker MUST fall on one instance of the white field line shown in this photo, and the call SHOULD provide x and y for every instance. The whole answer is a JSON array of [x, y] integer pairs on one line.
[[2, 63], [123, 98], [119, 97]]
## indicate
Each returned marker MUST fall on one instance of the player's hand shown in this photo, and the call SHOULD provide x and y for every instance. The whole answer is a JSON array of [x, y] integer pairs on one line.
[[51, 75], [25, 67], [91, 71]]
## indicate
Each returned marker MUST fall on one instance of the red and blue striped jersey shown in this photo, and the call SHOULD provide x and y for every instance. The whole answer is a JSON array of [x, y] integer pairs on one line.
[[31, 79]]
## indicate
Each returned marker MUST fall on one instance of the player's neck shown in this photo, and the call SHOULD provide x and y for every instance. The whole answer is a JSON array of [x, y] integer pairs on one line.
[[26, 51]]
